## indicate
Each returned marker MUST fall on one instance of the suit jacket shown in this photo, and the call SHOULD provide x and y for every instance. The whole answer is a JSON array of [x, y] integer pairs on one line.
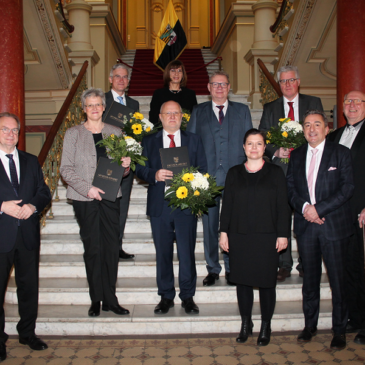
[[358, 158], [131, 103], [32, 190], [201, 122], [274, 111], [79, 160], [151, 149], [334, 188]]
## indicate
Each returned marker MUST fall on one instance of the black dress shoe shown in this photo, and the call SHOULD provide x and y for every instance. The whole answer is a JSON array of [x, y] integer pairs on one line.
[[190, 306], [351, 328], [227, 279], [33, 342], [210, 279], [360, 338], [246, 330], [265, 333], [282, 274], [2, 351], [307, 334], [164, 306], [338, 342], [301, 272], [117, 309], [94, 309], [125, 255]]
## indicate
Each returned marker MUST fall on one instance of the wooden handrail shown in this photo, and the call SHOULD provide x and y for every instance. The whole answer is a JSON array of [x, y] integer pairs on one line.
[[268, 75], [61, 115], [280, 16], [70, 28]]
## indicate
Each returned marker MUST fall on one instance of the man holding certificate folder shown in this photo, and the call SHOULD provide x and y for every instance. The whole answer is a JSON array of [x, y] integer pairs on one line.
[[165, 223]]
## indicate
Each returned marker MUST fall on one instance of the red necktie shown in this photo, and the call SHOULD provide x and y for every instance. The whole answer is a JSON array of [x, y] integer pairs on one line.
[[172, 143], [291, 110], [221, 114]]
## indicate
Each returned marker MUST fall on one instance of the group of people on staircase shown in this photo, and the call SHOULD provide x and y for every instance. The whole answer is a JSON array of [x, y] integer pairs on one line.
[[323, 185]]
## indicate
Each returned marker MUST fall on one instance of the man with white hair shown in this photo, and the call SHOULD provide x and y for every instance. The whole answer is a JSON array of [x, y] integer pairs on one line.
[[291, 105]]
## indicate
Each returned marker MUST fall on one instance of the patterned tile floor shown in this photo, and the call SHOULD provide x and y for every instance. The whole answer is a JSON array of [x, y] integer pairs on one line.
[[222, 350]]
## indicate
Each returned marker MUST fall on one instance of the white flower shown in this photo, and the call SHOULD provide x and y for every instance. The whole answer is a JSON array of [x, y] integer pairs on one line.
[[146, 123], [133, 146], [292, 126], [200, 181]]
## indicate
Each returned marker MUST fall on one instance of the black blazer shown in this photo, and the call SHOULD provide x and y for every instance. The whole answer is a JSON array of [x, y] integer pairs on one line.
[[32, 190], [271, 212], [334, 188], [151, 149], [131, 103], [358, 159]]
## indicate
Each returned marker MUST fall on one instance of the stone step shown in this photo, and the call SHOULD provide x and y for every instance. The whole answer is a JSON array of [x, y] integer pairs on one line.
[[72, 320], [75, 291], [143, 265]]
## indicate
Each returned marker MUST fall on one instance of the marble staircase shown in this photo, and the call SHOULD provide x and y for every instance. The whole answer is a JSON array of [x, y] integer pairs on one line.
[[64, 298]]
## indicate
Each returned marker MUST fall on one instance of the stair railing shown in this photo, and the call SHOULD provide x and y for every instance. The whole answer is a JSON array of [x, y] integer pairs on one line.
[[281, 27], [70, 114], [269, 88]]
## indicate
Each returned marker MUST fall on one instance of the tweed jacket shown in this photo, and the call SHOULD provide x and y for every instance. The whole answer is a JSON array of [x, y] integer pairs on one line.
[[78, 162]]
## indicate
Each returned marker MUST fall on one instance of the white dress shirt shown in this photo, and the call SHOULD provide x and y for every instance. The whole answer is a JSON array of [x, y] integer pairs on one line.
[[349, 134], [216, 110], [295, 107], [116, 96], [5, 162], [319, 154], [167, 140]]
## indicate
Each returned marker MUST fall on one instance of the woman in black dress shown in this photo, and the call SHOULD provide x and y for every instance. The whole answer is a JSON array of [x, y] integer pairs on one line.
[[255, 224], [174, 78]]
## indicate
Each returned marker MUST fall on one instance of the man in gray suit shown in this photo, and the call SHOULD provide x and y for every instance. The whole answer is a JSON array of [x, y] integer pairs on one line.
[[222, 125], [119, 78], [291, 105]]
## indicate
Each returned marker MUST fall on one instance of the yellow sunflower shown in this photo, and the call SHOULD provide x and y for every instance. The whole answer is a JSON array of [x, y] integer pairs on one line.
[[268, 134], [282, 119], [267, 141], [284, 134], [207, 175], [138, 116], [196, 192], [148, 129], [127, 137], [188, 177], [182, 192], [137, 128]]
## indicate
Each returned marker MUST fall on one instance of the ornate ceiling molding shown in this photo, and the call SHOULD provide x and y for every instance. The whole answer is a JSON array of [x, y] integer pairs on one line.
[[47, 20]]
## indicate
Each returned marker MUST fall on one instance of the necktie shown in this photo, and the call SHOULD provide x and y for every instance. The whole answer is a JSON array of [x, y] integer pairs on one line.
[[172, 142], [121, 101], [312, 167], [221, 114], [347, 136], [291, 110], [13, 174]]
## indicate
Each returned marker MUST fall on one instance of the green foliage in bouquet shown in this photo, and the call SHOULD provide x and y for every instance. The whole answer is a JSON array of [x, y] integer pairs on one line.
[[123, 146], [185, 119], [137, 126], [194, 190]]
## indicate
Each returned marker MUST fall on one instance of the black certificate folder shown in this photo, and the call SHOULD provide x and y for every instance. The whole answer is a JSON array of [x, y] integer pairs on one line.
[[108, 177], [115, 114], [174, 159]]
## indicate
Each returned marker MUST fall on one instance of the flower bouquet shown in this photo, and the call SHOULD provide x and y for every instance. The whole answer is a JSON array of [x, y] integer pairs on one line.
[[185, 119], [194, 190], [123, 146], [288, 134], [137, 126]]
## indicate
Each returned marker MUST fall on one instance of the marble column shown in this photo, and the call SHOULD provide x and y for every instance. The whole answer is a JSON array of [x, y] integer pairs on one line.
[[350, 51], [12, 62]]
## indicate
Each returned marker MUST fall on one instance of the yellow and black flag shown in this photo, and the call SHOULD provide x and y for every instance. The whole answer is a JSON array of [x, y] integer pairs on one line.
[[170, 40]]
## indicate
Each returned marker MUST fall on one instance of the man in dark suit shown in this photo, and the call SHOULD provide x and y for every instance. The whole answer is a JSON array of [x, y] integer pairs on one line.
[[320, 185], [166, 223], [222, 124], [291, 105], [119, 79], [23, 194], [353, 136]]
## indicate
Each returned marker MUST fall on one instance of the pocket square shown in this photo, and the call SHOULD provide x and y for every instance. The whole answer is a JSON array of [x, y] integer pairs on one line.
[[332, 168]]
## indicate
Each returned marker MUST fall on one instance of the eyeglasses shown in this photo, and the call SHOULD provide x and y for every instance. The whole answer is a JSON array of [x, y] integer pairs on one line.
[[176, 70], [7, 130], [284, 81], [118, 77], [92, 106], [355, 101], [170, 114], [223, 85]]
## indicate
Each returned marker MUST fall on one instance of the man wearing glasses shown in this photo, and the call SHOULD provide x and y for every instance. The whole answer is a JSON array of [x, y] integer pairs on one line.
[[119, 78], [291, 105], [23, 195], [222, 124], [353, 136]]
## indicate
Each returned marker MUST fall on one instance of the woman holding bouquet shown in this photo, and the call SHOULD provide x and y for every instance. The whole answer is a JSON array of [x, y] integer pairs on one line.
[[175, 79], [255, 224], [98, 218]]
